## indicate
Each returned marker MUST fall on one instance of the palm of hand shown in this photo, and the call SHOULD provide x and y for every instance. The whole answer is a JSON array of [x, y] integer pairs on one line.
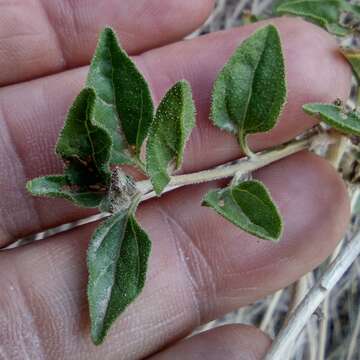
[[201, 266]]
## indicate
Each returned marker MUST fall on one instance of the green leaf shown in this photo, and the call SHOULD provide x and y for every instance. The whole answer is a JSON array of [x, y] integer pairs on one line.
[[250, 91], [325, 13], [57, 186], [353, 56], [248, 206], [117, 263], [336, 117], [355, 9], [174, 121], [84, 145], [277, 3], [123, 93]]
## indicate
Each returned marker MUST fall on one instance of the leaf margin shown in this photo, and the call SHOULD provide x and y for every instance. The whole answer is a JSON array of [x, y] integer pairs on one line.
[[98, 334], [219, 88], [207, 202]]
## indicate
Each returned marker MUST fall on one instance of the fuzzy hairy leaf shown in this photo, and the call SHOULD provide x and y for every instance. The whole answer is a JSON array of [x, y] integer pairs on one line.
[[335, 116], [325, 13], [250, 91], [117, 263], [248, 206], [57, 186], [353, 56], [174, 121], [277, 3], [123, 93], [85, 145]]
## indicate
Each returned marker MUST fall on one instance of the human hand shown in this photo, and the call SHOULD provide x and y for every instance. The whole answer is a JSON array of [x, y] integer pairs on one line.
[[201, 266]]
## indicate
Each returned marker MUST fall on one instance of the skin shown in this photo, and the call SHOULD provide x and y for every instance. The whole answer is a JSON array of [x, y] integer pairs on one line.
[[201, 266]]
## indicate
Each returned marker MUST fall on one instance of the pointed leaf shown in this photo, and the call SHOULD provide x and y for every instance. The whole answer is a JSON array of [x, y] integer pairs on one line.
[[174, 121], [57, 186], [335, 116], [353, 56], [248, 206], [250, 91], [84, 145], [117, 263], [325, 13], [277, 3], [100, 77], [123, 93]]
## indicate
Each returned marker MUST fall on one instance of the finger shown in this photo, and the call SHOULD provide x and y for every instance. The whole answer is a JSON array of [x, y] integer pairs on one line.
[[200, 268], [43, 37], [27, 146], [231, 342]]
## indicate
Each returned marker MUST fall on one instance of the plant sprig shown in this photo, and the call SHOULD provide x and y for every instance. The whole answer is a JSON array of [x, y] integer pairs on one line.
[[107, 127]]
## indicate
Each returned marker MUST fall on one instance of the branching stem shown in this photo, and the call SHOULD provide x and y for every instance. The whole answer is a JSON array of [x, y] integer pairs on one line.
[[242, 167]]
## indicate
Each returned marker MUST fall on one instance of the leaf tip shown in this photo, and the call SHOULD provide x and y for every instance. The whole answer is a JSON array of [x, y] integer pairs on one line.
[[35, 186], [276, 237], [306, 107], [311, 108], [97, 337], [107, 32], [271, 28], [29, 186]]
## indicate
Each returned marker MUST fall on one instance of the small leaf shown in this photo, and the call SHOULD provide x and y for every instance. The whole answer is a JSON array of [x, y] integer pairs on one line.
[[174, 121], [84, 145], [117, 262], [250, 91], [248, 206], [325, 13], [123, 93], [57, 186], [353, 56], [335, 116], [277, 3]]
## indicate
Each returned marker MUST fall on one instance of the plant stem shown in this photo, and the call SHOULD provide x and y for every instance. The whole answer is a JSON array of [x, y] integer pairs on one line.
[[245, 146], [313, 299], [298, 292], [354, 338], [243, 167], [334, 155], [336, 151], [324, 322], [270, 310]]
